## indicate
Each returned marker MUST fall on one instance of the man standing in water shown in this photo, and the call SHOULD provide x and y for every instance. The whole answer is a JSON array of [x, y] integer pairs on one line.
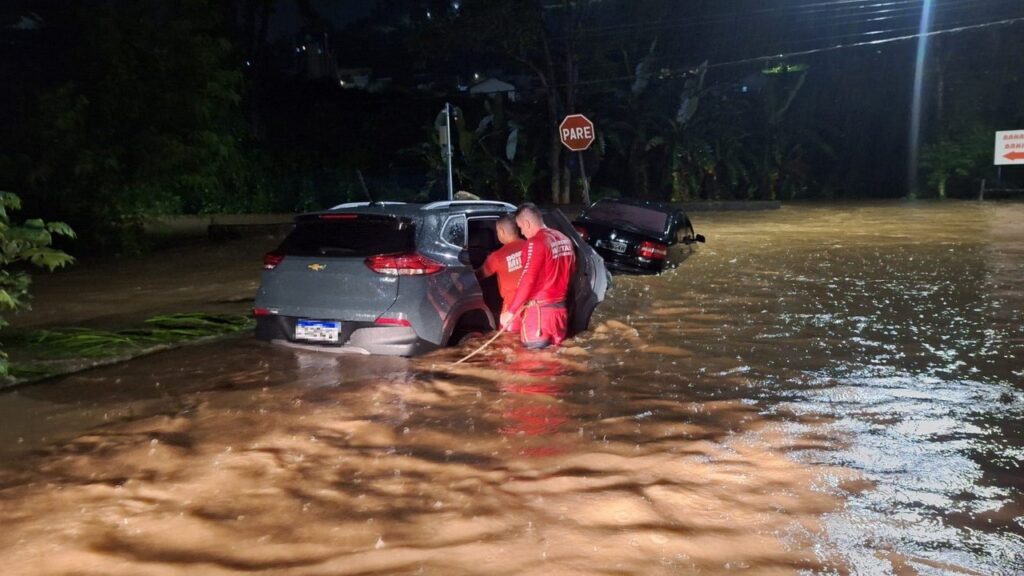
[[507, 263], [539, 301]]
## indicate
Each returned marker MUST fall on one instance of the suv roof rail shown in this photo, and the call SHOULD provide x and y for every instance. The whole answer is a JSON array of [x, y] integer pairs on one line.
[[450, 203], [358, 204]]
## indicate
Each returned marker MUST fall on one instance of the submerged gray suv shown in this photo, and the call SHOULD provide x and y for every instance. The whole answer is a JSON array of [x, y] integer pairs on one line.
[[398, 279]]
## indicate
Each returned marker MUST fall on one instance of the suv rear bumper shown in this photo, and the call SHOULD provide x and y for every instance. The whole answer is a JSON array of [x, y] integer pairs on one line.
[[359, 336]]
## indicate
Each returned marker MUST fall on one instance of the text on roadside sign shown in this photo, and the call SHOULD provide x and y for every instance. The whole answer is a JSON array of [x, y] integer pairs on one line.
[[579, 133]]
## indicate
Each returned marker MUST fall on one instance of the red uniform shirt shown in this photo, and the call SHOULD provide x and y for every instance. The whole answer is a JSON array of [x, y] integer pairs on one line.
[[507, 263], [548, 264]]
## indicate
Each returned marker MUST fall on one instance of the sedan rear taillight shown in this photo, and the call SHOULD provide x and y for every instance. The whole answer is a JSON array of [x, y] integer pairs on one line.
[[652, 250], [271, 260], [582, 232], [403, 265]]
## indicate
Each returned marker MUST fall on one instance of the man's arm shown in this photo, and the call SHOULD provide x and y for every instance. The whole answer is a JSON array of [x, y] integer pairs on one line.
[[489, 268]]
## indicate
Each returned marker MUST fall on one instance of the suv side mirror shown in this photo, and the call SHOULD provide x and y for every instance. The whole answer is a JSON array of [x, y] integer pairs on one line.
[[464, 257]]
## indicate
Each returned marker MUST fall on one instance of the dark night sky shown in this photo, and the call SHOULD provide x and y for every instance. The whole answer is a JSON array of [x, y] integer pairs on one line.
[[287, 19]]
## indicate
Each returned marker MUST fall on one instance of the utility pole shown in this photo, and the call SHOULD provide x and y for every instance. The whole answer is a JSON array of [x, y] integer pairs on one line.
[[448, 151], [586, 181]]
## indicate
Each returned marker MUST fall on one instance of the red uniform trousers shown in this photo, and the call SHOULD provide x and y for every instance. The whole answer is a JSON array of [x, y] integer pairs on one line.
[[544, 325]]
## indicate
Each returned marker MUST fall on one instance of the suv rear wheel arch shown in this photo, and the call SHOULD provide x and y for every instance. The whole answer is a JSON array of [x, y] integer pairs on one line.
[[476, 320]]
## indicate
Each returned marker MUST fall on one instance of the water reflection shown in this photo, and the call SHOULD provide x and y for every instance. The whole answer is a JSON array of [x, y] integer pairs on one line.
[[902, 326], [531, 402], [815, 390]]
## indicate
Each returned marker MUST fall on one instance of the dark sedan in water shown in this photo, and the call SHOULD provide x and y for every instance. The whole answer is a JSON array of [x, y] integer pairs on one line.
[[634, 236]]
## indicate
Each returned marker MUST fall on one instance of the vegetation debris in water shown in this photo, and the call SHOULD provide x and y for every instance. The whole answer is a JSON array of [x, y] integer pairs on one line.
[[36, 348]]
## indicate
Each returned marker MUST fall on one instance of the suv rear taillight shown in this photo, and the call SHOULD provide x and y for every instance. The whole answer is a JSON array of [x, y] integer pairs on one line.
[[652, 250], [271, 260], [403, 265], [382, 321], [582, 232]]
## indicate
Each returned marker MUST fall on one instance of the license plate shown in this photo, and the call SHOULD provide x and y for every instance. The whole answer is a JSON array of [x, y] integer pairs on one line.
[[317, 330], [617, 246]]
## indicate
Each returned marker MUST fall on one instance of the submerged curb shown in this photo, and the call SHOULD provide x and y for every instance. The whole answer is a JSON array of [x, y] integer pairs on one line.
[[69, 366]]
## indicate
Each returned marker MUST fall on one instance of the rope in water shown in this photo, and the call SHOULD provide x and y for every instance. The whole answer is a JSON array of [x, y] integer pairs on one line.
[[480, 349], [501, 330]]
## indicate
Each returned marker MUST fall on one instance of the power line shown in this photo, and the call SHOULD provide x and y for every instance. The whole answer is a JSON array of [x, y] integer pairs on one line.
[[731, 17], [871, 33], [867, 34], [912, 26], [680, 72], [878, 42], [910, 13], [835, 15]]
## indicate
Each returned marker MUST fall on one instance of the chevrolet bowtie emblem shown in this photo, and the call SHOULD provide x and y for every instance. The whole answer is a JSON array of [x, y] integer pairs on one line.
[[317, 267]]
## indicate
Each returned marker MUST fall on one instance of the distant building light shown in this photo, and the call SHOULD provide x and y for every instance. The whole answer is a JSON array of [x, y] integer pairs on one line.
[[456, 5], [248, 63], [341, 82], [745, 89], [429, 15], [303, 47], [476, 76]]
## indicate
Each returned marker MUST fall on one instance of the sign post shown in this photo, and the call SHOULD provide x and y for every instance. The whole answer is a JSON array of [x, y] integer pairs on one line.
[[577, 134], [443, 123], [448, 152]]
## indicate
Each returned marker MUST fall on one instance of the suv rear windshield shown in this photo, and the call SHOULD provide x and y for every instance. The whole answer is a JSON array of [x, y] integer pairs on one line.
[[646, 219], [349, 235]]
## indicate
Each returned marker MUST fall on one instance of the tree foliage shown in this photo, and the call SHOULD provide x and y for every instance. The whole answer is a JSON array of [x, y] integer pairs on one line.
[[956, 156], [149, 121], [23, 246], [138, 108]]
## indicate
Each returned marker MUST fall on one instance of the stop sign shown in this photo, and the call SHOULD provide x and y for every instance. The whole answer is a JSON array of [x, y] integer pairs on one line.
[[576, 132]]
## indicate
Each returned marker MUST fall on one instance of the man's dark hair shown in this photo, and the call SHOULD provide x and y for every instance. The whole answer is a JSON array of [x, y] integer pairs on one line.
[[508, 222], [531, 209]]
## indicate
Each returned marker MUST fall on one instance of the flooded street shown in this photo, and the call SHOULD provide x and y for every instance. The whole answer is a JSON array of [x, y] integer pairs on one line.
[[833, 389]]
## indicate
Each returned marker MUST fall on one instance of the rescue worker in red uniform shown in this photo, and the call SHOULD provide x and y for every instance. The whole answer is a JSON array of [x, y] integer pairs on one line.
[[540, 299], [506, 262]]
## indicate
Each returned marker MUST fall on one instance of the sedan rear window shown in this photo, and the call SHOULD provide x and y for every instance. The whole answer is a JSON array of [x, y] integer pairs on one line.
[[646, 219], [349, 235]]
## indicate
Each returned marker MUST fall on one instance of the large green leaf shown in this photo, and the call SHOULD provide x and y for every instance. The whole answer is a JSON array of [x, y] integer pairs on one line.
[[61, 229]]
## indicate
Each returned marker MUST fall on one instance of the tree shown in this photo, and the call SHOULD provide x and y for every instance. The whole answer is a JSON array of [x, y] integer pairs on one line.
[[948, 157], [149, 122], [532, 36], [509, 32], [26, 243], [497, 153]]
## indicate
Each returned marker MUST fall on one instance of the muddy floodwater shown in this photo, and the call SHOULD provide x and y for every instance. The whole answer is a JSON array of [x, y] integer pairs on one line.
[[820, 389]]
